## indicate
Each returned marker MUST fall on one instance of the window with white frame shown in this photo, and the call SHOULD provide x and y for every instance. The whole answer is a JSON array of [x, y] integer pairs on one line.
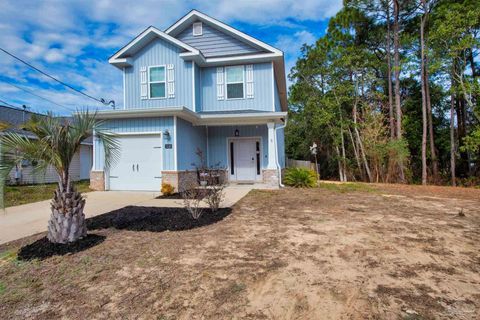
[[235, 79], [157, 82], [197, 29]]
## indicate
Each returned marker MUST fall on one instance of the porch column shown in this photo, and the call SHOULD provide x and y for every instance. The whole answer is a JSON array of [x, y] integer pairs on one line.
[[272, 153]]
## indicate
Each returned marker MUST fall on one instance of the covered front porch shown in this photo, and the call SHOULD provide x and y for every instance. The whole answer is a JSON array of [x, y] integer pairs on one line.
[[248, 153]]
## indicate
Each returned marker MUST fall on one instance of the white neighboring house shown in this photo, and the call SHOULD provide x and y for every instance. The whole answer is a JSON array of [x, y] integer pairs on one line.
[[24, 173]]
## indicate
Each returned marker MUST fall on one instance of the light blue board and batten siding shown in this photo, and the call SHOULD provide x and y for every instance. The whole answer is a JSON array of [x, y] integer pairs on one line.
[[263, 95], [140, 125], [190, 139], [159, 52], [215, 43], [278, 106]]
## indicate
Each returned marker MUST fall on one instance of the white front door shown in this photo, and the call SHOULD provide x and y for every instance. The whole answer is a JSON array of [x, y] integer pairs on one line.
[[140, 164], [245, 159]]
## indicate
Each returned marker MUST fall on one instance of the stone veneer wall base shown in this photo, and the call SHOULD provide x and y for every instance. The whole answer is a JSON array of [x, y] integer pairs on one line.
[[270, 178], [97, 180]]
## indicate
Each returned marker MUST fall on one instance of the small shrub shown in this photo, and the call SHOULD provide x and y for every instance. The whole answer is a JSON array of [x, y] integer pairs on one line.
[[191, 195], [214, 196], [167, 189], [300, 178]]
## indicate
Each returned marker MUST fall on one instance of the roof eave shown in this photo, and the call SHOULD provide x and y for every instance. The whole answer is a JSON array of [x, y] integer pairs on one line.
[[195, 118], [122, 57]]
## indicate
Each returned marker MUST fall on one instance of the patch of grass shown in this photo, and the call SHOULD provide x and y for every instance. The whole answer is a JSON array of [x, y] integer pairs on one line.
[[7, 256], [17, 195], [2, 288], [347, 187]]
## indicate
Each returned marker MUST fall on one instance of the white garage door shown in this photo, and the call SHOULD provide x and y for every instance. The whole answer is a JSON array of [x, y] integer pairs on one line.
[[140, 164]]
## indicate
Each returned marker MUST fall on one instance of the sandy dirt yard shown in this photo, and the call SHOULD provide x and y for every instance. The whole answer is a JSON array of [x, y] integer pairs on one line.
[[335, 252]]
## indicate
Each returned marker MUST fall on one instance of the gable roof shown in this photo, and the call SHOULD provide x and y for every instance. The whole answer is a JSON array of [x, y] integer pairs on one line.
[[195, 15], [122, 57]]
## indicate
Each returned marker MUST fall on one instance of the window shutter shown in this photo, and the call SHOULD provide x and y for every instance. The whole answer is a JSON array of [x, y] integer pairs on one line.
[[249, 81], [171, 81], [143, 83], [220, 87]]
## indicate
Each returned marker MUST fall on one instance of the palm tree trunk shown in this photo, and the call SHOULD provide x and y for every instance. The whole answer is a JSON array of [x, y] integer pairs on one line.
[[67, 221]]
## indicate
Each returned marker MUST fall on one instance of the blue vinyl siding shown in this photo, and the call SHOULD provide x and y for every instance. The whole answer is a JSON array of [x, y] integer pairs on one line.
[[217, 142], [189, 139], [281, 147], [198, 88], [278, 106], [215, 43], [158, 124], [263, 95], [159, 52]]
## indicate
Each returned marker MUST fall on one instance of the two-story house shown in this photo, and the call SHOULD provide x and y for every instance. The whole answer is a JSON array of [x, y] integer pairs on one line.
[[200, 84]]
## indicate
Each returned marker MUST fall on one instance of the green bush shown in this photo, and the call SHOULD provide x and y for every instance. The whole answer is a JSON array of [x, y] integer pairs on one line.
[[300, 178]]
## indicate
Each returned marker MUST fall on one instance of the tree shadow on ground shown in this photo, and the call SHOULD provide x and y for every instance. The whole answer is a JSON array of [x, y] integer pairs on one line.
[[43, 248], [154, 219]]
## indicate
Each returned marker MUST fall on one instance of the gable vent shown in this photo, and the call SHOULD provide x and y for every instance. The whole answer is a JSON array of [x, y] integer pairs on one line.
[[197, 29]]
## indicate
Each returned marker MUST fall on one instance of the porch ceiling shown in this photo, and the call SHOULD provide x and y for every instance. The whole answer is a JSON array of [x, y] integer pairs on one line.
[[243, 117]]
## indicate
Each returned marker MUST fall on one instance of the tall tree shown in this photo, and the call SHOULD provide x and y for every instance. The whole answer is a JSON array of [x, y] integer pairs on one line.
[[424, 94], [396, 58]]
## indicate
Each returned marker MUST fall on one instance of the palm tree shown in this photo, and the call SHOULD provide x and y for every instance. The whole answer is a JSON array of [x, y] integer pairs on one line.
[[55, 143]]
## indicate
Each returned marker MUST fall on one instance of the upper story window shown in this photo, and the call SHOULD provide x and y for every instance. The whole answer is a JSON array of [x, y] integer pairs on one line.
[[235, 79], [197, 29], [157, 82]]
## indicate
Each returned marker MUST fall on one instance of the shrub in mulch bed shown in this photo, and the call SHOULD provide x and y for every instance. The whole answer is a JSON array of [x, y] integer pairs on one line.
[[154, 219], [42, 248], [175, 195]]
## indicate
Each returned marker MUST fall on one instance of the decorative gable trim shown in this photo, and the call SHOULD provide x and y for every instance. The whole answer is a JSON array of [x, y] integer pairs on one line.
[[197, 29], [121, 58], [181, 24]]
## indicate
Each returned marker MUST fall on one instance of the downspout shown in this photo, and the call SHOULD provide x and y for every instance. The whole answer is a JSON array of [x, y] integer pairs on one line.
[[279, 169]]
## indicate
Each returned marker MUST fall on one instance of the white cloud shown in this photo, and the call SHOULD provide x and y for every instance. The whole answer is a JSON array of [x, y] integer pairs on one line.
[[291, 44]]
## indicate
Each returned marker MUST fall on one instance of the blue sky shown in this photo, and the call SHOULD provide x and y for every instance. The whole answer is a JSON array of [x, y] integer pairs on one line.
[[72, 40]]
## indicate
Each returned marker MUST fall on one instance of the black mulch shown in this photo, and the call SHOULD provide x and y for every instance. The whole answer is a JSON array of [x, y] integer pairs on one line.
[[133, 218], [176, 195], [154, 219], [42, 248]]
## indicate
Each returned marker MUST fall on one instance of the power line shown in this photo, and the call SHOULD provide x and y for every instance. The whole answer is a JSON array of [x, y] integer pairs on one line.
[[8, 104], [38, 96], [102, 101]]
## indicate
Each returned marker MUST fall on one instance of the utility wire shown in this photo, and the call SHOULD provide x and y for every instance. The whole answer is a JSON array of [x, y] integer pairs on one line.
[[38, 96], [52, 77], [8, 104]]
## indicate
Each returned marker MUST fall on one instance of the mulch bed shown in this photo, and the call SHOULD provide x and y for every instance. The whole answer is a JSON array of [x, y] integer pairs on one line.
[[134, 218], [154, 219], [176, 195], [43, 248]]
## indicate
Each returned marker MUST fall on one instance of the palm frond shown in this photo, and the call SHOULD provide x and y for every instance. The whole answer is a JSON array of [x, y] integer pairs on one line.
[[4, 126], [56, 142]]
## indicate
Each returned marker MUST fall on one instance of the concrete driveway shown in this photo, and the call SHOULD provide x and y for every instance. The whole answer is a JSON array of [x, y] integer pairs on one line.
[[28, 219]]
